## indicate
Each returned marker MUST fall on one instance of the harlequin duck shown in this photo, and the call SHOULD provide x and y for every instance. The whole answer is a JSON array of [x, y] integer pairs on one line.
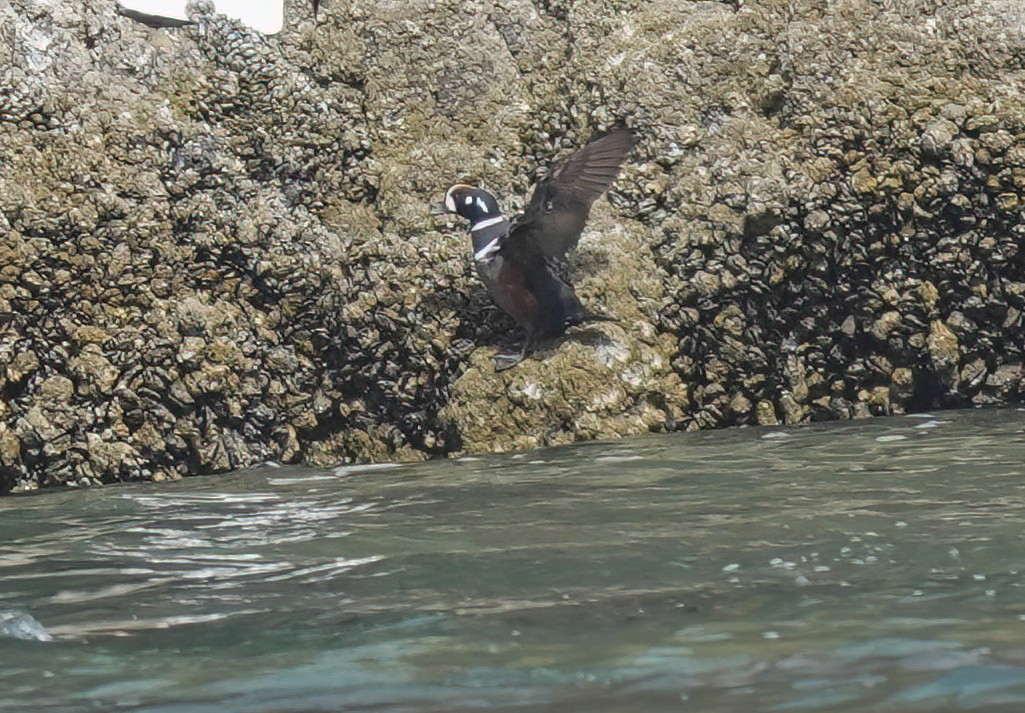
[[517, 259]]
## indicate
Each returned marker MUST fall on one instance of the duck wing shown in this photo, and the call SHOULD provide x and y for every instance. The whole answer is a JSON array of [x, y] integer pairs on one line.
[[558, 207]]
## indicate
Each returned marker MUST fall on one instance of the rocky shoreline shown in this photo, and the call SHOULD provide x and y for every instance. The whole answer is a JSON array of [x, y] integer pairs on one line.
[[216, 246]]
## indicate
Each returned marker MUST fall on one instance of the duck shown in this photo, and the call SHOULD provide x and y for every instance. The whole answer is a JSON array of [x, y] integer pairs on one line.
[[521, 260]]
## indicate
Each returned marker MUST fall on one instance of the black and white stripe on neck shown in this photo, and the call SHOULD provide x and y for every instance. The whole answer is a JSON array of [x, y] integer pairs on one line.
[[488, 250], [486, 223]]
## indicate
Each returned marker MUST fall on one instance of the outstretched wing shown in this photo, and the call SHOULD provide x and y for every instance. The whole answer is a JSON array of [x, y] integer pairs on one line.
[[559, 205]]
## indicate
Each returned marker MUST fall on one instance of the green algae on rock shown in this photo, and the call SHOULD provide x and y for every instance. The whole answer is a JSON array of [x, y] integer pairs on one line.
[[218, 247]]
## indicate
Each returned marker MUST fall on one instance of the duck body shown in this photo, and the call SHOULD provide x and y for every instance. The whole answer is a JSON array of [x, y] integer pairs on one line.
[[524, 284]]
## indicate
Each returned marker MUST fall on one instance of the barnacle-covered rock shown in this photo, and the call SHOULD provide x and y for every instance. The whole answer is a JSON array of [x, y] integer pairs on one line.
[[216, 247]]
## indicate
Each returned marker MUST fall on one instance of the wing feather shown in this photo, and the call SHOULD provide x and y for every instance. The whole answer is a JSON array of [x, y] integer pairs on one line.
[[558, 207]]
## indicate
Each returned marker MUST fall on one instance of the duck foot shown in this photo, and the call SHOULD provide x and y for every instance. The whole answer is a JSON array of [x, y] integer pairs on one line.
[[507, 360]]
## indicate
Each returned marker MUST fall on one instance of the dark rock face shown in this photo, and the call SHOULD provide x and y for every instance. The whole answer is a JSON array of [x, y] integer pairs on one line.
[[215, 247], [880, 271]]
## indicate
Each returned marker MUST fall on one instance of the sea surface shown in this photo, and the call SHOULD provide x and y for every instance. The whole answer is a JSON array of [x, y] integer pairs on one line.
[[876, 565]]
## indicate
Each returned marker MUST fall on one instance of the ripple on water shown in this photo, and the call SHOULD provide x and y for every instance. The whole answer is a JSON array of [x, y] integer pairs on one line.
[[870, 565]]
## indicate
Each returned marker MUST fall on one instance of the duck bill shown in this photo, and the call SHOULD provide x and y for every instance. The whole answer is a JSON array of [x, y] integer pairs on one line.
[[440, 209]]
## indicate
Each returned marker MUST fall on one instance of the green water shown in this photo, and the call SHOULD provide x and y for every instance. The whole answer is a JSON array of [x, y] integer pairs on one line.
[[867, 566]]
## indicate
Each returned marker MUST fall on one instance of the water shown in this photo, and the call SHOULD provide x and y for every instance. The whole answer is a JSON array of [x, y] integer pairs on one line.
[[867, 566]]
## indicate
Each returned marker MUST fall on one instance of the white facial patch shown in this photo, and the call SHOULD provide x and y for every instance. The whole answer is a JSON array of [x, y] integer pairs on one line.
[[469, 200], [482, 204], [450, 201]]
